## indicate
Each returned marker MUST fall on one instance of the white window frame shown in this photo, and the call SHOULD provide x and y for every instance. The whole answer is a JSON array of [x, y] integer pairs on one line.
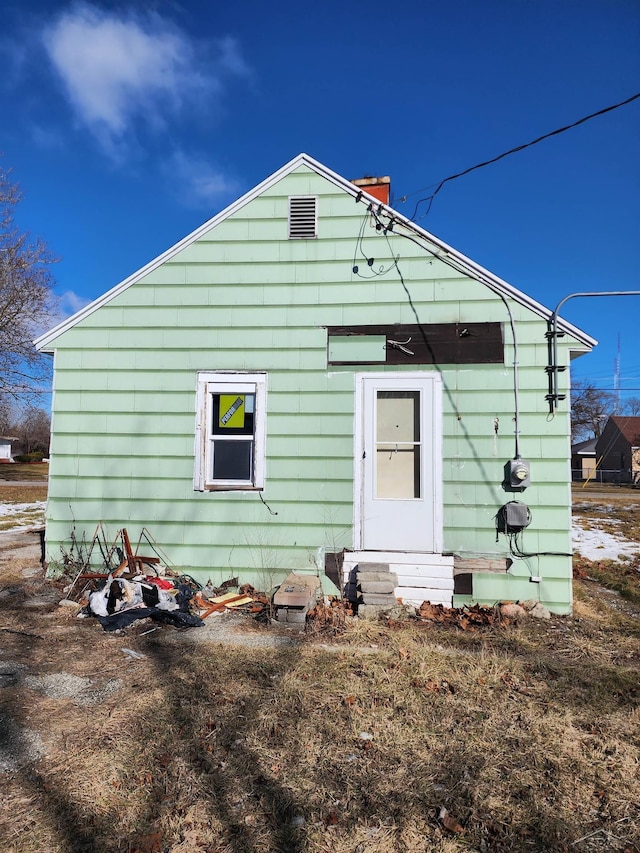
[[213, 382]]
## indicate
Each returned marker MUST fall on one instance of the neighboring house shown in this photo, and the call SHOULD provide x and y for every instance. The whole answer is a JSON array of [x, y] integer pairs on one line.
[[618, 450], [310, 380], [7, 448], [583, 459]]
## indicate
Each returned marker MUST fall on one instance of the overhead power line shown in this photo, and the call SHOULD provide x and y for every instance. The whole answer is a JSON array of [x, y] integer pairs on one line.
[[559, 130]]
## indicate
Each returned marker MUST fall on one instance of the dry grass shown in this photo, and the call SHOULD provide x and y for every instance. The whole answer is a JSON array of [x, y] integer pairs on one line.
[[529, 736], [38, 471], [622, 577], [10, 493]]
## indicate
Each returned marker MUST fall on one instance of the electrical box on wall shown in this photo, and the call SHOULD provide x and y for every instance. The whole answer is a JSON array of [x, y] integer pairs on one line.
[[517, 475], [513, 517]]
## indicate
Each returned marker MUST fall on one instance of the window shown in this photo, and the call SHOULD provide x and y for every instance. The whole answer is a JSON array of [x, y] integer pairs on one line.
[[303, 218], [230, 431]]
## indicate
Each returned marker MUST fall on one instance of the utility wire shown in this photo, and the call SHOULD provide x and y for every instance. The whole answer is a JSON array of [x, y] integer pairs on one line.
[[559, 130], [449, 261]]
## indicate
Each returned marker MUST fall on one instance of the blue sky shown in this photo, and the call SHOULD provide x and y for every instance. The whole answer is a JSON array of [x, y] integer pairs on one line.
[[128, 125]]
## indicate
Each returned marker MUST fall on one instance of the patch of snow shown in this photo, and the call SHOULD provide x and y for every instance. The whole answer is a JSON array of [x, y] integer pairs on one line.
[[595, 544], [8, 510], [23, 516]]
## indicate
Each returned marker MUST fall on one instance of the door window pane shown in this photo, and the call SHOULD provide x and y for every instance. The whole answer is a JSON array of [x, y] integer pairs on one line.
[[398, 450], [398, 416]]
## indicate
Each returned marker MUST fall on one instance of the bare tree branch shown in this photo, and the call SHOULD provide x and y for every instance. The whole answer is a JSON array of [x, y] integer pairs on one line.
[[590, 408], [27, 301], [632, 406]]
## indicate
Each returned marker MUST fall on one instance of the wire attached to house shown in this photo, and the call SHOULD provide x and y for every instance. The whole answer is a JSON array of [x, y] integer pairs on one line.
[[272, 511], [359, 247], [451, 263], [515, 533], [556, 132], [516, 549]]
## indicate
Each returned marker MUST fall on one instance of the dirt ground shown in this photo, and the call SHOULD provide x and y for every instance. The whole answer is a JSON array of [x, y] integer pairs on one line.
[[45, 647], [386, 738]]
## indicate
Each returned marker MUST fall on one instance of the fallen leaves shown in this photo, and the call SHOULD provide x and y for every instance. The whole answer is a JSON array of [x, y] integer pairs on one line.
[[329, 618], [467, 618], [434, 686], [151, 843], [449, 822]]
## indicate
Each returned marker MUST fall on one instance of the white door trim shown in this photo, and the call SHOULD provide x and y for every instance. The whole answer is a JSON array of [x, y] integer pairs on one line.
[[436, 451]]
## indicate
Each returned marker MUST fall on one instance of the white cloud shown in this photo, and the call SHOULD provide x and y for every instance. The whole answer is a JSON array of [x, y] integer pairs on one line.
[[69, 303], [118, 69], [197, 182]]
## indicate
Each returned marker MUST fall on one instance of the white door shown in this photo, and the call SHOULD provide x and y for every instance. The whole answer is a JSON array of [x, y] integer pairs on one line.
[[399, 462]]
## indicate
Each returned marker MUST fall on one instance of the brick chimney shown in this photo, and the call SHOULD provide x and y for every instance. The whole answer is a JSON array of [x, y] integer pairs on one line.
[[377, 187]]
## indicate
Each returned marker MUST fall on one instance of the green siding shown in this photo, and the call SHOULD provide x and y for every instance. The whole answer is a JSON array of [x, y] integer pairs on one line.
[[359, 348], [244, 297]]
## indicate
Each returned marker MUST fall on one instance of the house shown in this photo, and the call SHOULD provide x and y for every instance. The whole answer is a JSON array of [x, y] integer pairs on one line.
[[310, 381], [618, 450], [7, 445], [583, 459]]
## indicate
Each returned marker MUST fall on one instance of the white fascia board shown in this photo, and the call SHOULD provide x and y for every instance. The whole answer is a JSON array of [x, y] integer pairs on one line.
[[474, 270]]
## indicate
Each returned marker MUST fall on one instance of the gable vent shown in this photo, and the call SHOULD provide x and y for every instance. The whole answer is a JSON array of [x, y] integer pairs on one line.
[[303, 217]]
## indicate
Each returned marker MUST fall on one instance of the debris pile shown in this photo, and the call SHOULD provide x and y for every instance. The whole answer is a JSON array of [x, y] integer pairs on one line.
[[136, 586], [119, 602], [178, 601]]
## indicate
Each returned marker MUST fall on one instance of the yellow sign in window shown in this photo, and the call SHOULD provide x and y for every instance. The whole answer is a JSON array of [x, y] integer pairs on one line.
[[231, 411]]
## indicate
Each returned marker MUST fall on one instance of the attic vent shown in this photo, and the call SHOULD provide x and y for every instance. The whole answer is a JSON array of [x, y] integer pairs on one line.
[[303, 217]]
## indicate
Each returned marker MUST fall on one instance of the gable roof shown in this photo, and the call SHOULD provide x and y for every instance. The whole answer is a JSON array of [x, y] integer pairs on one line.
[[446, 252], [629, 426]]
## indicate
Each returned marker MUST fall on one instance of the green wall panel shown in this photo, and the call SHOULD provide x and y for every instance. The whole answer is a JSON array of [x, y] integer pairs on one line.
[[244, 297]]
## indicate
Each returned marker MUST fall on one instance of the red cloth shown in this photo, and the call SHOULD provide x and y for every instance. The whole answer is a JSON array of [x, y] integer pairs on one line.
[[159, 582]]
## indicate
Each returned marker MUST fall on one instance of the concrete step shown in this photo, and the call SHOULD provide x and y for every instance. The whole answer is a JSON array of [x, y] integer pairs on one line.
[[377, 598], [364, 566], [417, 577], [420, 565], [384, 587], [376, 577], [415, 596], [425, 581], [401, 557]]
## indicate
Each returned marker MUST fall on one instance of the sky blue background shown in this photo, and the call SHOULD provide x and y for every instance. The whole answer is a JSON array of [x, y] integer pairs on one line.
[[415, 90]]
